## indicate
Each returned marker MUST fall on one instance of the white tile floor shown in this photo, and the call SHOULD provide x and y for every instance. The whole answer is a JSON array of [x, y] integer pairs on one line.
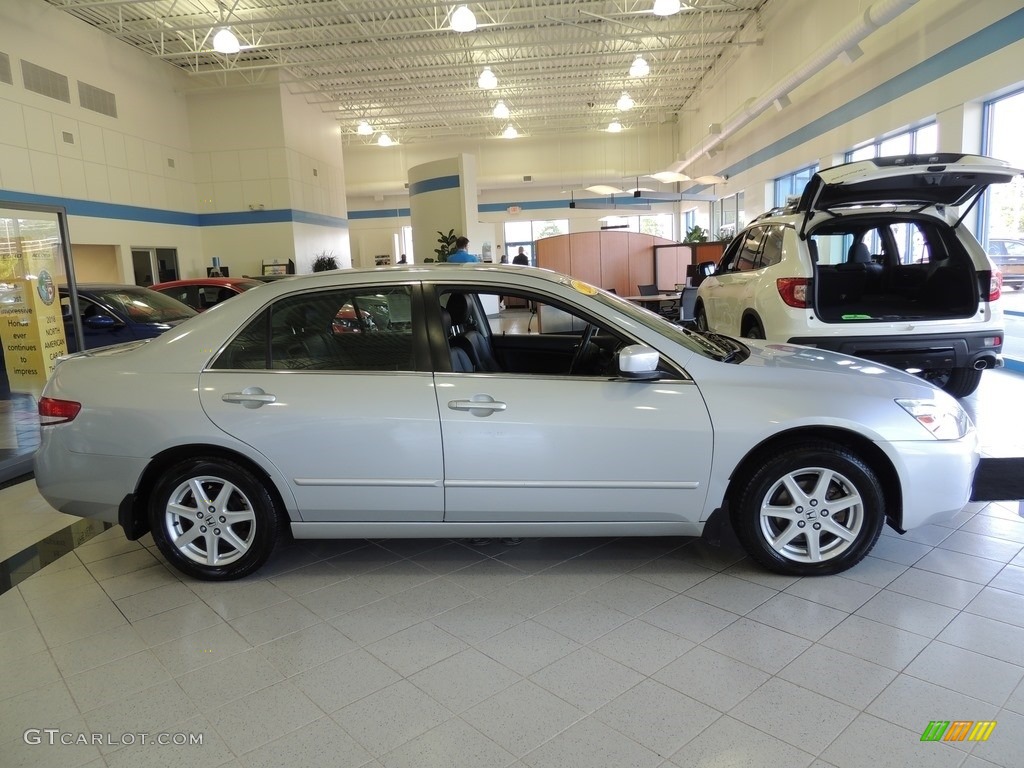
[[581, 652]]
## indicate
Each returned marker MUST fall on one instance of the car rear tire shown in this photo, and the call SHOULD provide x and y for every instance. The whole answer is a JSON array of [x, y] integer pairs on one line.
[[959, 382], [814, 509], [213, 519]]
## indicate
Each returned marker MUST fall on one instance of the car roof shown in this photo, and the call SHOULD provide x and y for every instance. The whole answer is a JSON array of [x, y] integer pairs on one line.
[[204, 281], [105, 287]]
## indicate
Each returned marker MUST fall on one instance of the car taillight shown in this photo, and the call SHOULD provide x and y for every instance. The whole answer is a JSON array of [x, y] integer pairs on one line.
[[995, 285], [793, 291], [53, 411]]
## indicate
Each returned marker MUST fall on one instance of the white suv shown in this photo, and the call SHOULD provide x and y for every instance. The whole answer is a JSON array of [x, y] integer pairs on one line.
[[874, 261]]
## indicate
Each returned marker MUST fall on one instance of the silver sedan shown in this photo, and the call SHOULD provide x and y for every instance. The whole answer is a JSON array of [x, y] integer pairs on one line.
[[480, 401]]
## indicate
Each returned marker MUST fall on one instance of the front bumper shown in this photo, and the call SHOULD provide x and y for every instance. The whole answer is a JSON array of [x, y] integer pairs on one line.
[[936, 476], [924, 352]]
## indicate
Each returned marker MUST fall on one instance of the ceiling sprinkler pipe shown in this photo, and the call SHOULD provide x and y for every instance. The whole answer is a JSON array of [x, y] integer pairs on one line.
[[875, 17]]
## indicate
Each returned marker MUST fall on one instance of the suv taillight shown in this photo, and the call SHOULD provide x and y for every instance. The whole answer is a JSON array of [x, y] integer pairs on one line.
[[53, 411], [793, 291], [995, 285]]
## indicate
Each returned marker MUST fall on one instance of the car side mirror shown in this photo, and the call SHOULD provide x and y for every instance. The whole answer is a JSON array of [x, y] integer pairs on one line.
[[639, 362], [704, 270], [101, 323]]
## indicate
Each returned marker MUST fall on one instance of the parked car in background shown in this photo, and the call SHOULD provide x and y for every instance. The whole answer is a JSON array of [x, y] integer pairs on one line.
[[872, 261], [113, 314], [1008, 256], [607, 420], [203, 292]]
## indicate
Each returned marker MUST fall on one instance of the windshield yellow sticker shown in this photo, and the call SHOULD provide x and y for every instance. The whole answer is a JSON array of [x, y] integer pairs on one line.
[[584, 288]]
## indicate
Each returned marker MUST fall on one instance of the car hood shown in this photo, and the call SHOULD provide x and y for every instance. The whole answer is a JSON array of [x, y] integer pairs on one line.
[[799, 358], [940, 179]]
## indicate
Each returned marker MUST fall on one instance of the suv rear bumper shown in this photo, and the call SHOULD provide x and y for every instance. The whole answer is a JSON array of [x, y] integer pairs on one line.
[[926, 351]]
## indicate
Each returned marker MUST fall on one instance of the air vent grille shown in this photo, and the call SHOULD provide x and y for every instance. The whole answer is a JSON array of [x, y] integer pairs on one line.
[[96, 99], [5, 69], [68, 136], [45, 81]]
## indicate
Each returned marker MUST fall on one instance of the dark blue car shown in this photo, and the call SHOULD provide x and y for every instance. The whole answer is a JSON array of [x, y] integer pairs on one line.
[[112, 314]]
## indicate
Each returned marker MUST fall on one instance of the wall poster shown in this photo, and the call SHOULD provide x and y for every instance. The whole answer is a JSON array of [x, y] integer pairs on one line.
[[32, 265]]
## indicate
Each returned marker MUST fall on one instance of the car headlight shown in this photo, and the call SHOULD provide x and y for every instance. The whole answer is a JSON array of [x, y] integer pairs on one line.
[[944, 421]]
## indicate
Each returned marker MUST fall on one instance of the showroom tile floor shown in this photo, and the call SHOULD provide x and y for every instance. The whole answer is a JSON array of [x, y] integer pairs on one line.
[[559, 652]]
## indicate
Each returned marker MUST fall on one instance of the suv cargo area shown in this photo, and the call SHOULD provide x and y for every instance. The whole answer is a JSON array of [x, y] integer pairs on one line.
[[884, 270]]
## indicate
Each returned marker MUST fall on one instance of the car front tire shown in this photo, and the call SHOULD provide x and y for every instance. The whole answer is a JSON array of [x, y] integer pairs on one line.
[[700, 318], [213, 519], [815, 509]]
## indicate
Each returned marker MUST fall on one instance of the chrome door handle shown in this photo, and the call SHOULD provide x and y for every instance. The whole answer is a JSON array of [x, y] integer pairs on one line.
[[250, 397], [478, 405]]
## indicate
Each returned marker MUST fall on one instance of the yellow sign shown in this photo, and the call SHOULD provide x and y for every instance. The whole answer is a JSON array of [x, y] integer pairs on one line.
[[31, 324]]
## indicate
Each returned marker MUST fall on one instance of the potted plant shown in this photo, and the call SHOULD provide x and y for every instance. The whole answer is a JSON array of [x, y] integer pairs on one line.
[[325, 261], [696, 234], [446, 244]]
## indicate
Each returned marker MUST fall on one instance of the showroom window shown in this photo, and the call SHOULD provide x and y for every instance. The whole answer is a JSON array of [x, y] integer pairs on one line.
[[524, 233], [1002, 217], [337, 330], [659, 224], [793, 184], [917, 141]]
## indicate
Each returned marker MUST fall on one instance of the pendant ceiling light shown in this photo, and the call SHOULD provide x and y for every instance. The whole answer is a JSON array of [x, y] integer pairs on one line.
[[364, 129], [625, 103], [226, 42], [639, 67], [669, 177], [501, 111], [463, 19], [614, 127], [488, 80], [666, 7], [510, 132], [384, 140]]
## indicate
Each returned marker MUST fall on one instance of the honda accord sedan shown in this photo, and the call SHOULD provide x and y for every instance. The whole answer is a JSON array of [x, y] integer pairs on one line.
[[579, 414]]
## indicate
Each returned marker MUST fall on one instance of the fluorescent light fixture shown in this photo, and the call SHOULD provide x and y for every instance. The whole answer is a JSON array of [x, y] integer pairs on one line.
[[614, 127], [666, 7], [364, 129], [226, 42], [384, 140], [625, 103], [501, 111], [604, 189], [510, 132], [669, 177], [488, 80], [639, 67], [463, 19]]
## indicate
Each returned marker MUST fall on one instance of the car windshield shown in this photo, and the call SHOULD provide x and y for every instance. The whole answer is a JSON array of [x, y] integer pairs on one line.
[[142, 306], [707, 345]]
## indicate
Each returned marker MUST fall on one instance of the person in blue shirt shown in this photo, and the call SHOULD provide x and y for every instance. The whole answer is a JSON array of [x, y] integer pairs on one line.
[[461, 255]]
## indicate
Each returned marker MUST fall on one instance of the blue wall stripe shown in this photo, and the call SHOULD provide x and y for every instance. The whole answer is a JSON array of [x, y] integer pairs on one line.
[[381, 213], [1011, 364], [98, 210], [433, 185]]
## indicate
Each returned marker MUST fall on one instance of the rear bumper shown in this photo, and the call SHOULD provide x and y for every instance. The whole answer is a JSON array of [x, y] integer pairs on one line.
[[925, 351]]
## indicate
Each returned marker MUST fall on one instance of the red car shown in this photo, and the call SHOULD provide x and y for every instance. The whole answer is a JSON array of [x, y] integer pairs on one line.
[[203, 292]]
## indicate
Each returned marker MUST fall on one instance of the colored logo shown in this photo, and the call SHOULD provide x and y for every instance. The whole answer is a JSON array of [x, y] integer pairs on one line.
[[958, 730], [47, 290]]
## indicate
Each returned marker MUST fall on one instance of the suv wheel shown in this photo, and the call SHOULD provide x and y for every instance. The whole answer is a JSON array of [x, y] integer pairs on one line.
[[213, 519], [813, 509], [700, 318], [752, 330], [959, 382]]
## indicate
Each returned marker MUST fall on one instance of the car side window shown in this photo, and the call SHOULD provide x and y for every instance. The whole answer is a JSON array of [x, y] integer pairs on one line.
[[345, 329], [771, 250], [742, 255], [526, 333]]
